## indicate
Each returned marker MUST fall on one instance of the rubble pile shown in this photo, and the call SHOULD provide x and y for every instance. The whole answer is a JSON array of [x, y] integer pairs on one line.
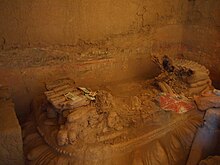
[[182, 77], [72, 106]]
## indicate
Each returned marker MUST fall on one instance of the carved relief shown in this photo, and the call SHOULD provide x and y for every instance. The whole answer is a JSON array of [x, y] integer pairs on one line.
[[115, 127]]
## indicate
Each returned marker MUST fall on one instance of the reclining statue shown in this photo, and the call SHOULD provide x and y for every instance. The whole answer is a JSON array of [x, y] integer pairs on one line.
[[135, 123]]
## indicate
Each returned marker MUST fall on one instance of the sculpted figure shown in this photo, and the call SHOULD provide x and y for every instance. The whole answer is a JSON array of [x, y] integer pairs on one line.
[[75, 125]]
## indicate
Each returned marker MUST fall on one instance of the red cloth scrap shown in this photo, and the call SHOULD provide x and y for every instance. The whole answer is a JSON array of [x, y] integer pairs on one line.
[[175, 103]]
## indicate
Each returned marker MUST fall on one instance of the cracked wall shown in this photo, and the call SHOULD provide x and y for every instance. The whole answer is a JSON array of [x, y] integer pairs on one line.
[[46, 22], [57, 22]]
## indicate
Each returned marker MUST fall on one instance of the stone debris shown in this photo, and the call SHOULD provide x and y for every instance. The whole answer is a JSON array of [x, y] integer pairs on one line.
[[68, 98], [180, 76], [216, 92], [63, 95], [89, 94], [181, 81], [62, 137], [136, 103], [114, 121], [76, 123], [165, 88], [71, 105]]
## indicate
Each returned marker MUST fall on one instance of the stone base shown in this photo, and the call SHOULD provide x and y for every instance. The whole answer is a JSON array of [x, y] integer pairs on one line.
[[11, 145]]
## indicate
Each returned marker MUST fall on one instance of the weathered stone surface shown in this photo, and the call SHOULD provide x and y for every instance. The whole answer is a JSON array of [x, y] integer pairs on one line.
[[11, 146]]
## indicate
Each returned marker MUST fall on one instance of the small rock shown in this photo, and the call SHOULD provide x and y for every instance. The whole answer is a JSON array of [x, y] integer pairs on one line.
[[62, 137]]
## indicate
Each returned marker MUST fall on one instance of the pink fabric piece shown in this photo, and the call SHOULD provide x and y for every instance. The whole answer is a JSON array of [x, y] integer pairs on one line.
[[176, 104], [209, 99], [207, 102]]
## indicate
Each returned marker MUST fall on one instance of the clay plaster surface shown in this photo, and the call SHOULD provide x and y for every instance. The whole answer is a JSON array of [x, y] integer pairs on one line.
[[65, 23]]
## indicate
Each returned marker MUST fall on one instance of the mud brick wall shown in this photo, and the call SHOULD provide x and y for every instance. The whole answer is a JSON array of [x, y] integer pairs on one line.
[[11, 145]]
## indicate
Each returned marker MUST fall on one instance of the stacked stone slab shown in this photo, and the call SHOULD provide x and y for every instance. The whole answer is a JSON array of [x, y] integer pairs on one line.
[[11, 146]]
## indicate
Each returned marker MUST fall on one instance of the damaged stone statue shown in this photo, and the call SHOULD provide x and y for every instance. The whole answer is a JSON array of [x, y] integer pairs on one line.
[[134, 123]]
